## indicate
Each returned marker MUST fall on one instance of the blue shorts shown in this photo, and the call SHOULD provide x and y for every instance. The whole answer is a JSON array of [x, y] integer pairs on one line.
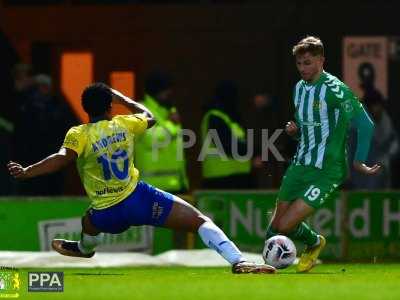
[[145, 206]]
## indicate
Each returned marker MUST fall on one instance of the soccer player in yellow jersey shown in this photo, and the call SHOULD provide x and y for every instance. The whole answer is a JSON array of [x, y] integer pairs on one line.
[[103, 150]]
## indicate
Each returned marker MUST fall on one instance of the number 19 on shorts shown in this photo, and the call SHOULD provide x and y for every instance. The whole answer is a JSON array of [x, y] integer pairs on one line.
[[312, 193]]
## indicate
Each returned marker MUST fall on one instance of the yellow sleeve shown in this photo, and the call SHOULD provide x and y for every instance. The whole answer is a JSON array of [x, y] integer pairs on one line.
[[136, 124], [75, 140]]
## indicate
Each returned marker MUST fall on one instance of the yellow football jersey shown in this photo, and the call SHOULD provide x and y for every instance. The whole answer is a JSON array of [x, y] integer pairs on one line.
[[105, 157]]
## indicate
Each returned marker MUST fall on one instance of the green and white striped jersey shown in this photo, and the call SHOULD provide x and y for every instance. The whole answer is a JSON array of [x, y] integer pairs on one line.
[[323, 112]]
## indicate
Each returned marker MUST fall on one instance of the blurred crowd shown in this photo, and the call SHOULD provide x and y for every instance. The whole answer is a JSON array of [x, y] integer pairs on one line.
[[41, 118], [385, 143], [35, 129]]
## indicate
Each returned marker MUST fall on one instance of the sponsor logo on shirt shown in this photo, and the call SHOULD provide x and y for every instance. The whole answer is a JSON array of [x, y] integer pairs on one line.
[[317, 105], [346, 105], [109, 190]]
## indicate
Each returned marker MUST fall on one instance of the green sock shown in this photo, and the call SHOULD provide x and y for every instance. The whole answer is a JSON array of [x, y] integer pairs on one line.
[[270, 232], [304, 233]]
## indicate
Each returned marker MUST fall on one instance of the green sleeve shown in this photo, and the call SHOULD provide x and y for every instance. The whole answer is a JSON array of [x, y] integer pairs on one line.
[[365, 130], [342, 98]]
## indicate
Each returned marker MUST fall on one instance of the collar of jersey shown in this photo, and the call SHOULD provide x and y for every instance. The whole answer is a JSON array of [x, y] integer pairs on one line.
[[321, 78], [97, 119]]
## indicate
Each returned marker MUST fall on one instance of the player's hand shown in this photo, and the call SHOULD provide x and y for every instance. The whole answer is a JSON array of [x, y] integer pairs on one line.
[[363, 168], [16, 170], [291, 128]]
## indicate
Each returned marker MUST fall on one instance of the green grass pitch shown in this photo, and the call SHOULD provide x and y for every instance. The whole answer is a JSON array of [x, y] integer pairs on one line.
[[329, 281]]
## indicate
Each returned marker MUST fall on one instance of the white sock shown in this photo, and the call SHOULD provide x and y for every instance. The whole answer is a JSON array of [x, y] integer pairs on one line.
[[215, 238], [88, 243]]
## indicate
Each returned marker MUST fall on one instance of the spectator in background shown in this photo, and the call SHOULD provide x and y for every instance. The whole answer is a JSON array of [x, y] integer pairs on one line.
[[264, 115], [53, 109], [42, 119], [222, 116], [166, 171], [22, 95], [23, 79], [384, 147]]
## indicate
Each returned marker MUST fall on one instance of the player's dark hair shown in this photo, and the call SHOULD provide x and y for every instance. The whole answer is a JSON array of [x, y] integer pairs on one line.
[[96, 99], [310, 44]]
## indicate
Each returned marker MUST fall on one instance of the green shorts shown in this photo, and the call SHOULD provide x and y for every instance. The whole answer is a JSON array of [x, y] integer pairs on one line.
[[313, 185]]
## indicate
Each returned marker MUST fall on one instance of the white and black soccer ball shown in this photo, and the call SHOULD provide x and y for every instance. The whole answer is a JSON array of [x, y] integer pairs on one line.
[[279, 252]]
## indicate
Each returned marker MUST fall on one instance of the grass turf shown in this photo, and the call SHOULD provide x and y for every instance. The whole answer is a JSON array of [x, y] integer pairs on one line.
[[331, 281]]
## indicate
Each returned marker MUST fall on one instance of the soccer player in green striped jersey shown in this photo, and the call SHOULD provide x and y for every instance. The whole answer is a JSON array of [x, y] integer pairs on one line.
[[324, 108]]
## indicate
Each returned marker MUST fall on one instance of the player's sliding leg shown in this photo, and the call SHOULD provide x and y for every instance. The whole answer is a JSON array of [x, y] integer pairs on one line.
[[85, 247], [291, 224], [150, 206], [184, 216]]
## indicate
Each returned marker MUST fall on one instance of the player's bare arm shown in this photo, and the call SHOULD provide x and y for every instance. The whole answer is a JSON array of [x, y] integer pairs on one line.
[[133, 106], [50, 164]]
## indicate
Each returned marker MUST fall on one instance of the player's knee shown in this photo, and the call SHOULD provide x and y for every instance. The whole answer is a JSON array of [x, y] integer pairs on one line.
[[204, 219], [88, 227], [200, 220], [196, 221]]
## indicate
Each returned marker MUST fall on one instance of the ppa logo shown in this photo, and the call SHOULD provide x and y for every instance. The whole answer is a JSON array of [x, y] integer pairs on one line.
[[45, 281]]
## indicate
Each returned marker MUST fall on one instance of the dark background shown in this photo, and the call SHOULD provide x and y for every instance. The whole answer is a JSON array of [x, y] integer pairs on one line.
[[200, 42]]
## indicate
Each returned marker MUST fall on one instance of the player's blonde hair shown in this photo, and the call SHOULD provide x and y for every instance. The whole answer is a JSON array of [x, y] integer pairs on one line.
[[310, 44]]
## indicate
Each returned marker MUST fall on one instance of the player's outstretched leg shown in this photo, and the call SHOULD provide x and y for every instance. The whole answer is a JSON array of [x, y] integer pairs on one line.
[[90, 238], [184, 216]]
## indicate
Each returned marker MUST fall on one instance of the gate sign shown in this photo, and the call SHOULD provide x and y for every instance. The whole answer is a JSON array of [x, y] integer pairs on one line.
[[365, 63]]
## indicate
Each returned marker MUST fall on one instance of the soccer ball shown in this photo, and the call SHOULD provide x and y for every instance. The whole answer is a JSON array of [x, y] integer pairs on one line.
[[279, 252]]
